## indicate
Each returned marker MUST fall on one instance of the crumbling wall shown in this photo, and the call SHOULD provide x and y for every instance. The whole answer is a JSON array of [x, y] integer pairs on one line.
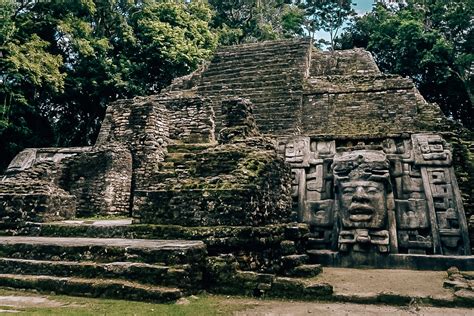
[[359, 105], [191, 119], [249, 189], [242, 181], [32, 196], [98, 177], [238, 121], [140, 124], [346, 62], [100, 180]]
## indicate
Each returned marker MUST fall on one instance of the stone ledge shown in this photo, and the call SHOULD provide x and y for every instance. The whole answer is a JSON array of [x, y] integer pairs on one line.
[[356, 84], [91, 287], [153, 274], [103, 250], [393, 261]]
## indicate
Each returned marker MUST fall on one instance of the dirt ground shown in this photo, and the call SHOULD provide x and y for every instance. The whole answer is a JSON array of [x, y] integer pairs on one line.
[[13, 301], [403, 282], [277, 308], [364, 283]]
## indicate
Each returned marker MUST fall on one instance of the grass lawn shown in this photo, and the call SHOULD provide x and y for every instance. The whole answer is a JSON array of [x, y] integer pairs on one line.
[[69, 305]]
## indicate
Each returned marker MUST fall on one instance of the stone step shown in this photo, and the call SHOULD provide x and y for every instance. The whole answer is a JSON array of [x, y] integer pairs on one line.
[[179, 157], [188, 148], [166, 165], [213, 90], [262, 46], [305, 271], [292, 261], [181, 276], [283, 65], [270, 82], [168, 252], [104, 288], [265, 55], [264, 49], [254, 77], [254, 94], [161, 176], [279, 67], [272, 99], [273, 82]]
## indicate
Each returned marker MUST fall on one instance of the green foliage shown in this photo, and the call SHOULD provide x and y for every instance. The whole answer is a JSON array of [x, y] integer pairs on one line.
[[326, 15], [240, 21], [430, 41], [64, 61]]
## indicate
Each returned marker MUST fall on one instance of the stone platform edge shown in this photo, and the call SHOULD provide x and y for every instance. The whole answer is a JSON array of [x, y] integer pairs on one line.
[[393, 261]]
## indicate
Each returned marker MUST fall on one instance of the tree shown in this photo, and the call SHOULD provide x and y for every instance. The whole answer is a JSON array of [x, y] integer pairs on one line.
[[64, 61], [242, 21], [430, 41], [326, 15], [29, 74]]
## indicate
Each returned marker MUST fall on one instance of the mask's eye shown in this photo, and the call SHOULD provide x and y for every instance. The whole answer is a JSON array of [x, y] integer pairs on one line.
[[372, 190], [348, 190]]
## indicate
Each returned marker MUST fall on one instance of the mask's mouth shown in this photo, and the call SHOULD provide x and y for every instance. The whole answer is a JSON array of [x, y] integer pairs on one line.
[[360, 212]]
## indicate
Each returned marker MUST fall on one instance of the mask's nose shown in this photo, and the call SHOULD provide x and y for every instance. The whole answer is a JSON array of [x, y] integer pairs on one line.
[[360, 195]]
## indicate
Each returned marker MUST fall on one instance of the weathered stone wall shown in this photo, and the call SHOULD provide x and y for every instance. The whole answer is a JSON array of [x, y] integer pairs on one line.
[[346, 62], [32, 196], [248, 189], [359, 106], [191, 119], [240, 182], [100, 180], [238, 121], [98, 177], [141, 124]]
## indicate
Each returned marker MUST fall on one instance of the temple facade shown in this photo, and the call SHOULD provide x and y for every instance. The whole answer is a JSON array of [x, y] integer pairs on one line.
[[355, 165]]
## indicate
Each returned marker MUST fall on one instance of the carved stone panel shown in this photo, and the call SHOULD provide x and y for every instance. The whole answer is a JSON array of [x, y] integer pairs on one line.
[[388, 195], [297, 152], [431, 150]]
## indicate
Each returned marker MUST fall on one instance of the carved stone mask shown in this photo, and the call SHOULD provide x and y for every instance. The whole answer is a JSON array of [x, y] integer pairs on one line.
[[362, 179], [362, 204]]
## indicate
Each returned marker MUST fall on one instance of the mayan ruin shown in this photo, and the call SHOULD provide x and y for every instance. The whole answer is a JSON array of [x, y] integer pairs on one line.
[[249, 176]]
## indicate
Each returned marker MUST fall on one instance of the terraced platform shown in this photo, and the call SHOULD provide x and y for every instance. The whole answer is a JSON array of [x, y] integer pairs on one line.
[[142, 269]]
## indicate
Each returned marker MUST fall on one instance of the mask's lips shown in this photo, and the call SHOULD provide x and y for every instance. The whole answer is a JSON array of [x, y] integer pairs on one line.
[[360, 212]]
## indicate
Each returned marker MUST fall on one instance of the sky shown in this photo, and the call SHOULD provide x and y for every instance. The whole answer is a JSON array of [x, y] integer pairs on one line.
[[360, 6]]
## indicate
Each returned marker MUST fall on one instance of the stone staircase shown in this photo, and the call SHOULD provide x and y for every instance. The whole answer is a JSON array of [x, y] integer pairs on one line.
[[272, 82], [118, 259], [136, 269]]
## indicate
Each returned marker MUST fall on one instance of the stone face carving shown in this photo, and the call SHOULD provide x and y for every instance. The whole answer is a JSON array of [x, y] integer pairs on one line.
[[396, 195], [362, 189], [362, 179]]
